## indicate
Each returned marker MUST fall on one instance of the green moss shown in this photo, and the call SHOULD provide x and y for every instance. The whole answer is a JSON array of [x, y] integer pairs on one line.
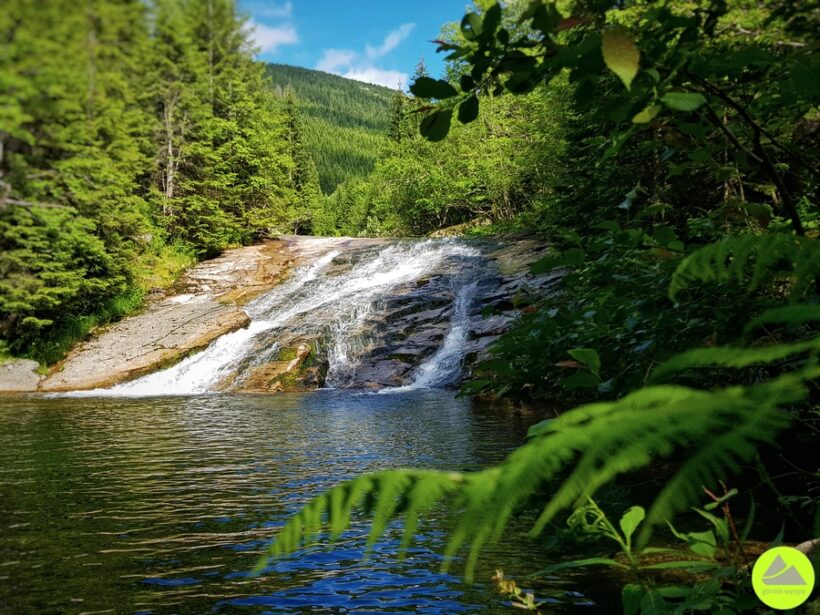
[[286, 354]]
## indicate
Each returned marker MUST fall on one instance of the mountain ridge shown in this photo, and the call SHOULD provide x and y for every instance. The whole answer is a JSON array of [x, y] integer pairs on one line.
[[345, 122]]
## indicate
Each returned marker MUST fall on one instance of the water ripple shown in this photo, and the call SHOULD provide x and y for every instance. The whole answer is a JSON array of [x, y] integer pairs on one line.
[[164, 504]]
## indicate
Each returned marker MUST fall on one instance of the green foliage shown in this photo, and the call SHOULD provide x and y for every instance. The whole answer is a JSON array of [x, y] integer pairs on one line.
[[733, 357], [702, 554], [418, 187], [127, 127], [752, 260], [668, 155], [620, 55]]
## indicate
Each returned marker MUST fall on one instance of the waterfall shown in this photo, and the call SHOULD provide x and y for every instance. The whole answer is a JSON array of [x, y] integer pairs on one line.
[[333, 300], [444, 366]]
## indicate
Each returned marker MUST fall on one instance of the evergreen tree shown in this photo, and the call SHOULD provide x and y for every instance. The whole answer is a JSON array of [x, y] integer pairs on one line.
[[397, 112], [304, 177], [125, 124]]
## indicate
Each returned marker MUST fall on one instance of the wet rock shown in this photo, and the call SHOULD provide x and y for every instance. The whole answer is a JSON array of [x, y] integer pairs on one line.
[[284, 374], [19, 375], [386, 373], [202, 306]]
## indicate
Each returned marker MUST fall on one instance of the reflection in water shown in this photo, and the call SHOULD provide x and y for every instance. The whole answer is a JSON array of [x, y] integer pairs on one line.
[[164, 504]]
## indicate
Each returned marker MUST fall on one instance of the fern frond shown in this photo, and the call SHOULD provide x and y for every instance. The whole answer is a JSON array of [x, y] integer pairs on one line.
[[750, 260], [726, 356], [735, 442], [792, 315], [600, 441]]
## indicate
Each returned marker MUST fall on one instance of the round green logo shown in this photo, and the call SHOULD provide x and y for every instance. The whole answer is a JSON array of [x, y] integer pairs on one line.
[[783, 578]]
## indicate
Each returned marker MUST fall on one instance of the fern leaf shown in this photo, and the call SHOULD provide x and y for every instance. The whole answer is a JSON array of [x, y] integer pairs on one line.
[[736, 442], [798, 314], [750, 260], [732, 357], [598, 442]]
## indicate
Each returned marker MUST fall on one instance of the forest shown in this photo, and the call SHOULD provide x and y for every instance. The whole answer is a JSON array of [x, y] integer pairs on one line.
[[131, 145], [667, 153], [345, 123]]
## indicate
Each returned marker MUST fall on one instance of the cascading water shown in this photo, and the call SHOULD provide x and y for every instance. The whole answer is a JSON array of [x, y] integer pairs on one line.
[[332, 301]]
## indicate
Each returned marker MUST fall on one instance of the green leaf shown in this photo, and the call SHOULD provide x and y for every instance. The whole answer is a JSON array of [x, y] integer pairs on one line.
[[540, 428], [683, 101], [631, 596], [730, 357], [581, 563], [664, 235], [589, 357], [647, 115], [797, 314], [720, 525], [426, 87], [492, 18], [466, 82], [700, 543], [434, 127], [471, 26], [620, 54], [580, 380], [630, 521], [568, 258], [468, 110], [689, 565]]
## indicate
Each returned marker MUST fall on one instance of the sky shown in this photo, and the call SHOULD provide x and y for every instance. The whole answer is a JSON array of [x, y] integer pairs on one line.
[[377, 41]]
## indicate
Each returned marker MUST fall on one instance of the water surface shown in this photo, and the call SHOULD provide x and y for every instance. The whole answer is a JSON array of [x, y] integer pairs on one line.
[[164, 504]]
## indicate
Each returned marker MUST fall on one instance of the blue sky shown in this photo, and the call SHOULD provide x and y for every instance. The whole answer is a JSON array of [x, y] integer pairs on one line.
[[378, 41]]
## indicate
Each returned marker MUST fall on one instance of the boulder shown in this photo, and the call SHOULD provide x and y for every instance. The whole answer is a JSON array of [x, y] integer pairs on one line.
[[19, 375], [284, 374]]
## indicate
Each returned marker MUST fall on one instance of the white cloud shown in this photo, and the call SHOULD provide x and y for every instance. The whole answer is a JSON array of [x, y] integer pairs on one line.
[[269, 10], [333, 60], [391, 41], [377, 76], [362, 66], [270, 38]]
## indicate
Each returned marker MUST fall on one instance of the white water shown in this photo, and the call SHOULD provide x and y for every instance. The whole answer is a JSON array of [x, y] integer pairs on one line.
[[333, 305]]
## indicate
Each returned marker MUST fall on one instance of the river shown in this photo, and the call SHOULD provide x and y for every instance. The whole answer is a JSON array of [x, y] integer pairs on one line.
[[164, 504]]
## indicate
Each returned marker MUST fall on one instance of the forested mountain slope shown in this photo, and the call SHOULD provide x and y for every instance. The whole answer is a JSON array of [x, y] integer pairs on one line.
[[345, 121]]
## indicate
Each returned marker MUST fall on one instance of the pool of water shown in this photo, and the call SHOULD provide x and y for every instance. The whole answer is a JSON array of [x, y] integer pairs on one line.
[[163, 505]]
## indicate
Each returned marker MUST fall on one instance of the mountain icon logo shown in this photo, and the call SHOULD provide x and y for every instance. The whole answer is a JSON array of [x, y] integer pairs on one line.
[[783, 578], [781, 573]]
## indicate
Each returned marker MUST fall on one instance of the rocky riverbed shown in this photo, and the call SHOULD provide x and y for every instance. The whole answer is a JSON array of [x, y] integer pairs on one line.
[[405, 327]]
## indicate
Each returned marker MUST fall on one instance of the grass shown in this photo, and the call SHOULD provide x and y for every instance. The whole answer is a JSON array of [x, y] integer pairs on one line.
[[162, 265]]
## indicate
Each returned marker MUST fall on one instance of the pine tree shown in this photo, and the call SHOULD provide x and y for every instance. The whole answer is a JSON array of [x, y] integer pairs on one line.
[[304, 177], [397, 112]]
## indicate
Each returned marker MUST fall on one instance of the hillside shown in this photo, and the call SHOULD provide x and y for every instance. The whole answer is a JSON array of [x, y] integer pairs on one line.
[[345, 121]]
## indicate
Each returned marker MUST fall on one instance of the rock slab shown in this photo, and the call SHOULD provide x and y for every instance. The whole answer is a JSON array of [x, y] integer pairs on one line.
[[202, 306], [19, 375]]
